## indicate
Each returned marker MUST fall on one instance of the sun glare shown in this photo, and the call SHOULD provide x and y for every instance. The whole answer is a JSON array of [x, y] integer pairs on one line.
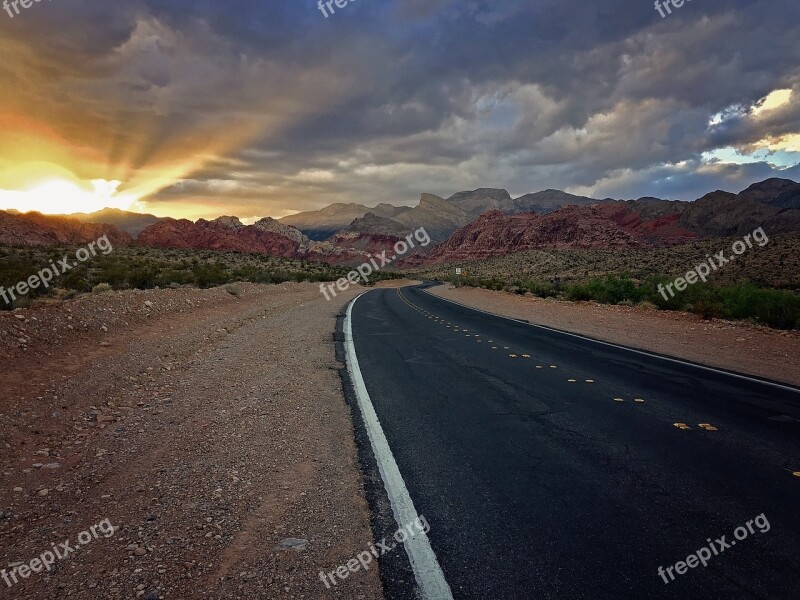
[[58, 196]]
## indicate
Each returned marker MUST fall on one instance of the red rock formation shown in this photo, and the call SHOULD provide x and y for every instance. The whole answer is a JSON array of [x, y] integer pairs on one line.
[[495, 233], [36, 229], [653, 229], [352, 248], [217, 235]]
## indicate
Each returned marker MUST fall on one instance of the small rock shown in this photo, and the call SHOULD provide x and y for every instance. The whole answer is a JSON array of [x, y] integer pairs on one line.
[[44, 492], [292, 544], [140, 552]]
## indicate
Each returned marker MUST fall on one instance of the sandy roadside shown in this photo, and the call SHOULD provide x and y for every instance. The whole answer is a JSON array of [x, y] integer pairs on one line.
[[209, 428], [730, 345], [396, 283]]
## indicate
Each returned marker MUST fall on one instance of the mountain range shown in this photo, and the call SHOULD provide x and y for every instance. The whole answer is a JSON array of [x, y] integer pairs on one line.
[[470, 224], [439, 216]]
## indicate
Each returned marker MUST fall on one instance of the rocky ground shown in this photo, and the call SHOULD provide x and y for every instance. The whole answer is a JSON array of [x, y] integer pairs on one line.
[[208, 426], [736, 346]]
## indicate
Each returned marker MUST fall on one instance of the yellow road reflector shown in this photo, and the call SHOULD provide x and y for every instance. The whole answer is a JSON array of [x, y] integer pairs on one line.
[[513, 355], [681, 425], [708, 427], [796, 473], [526, 356]]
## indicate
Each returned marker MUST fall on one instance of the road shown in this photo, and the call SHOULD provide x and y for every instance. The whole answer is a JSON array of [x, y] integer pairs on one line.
[[552, 466]]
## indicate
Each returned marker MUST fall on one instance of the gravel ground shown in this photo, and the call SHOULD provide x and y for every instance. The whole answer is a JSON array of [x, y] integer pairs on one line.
[[732, 345], [209, 428]]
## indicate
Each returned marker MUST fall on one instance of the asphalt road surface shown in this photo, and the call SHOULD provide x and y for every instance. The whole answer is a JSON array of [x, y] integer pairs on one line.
[[552, 466]]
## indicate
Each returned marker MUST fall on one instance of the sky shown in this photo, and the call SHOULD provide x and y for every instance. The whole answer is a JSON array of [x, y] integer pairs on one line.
[[268, 107]]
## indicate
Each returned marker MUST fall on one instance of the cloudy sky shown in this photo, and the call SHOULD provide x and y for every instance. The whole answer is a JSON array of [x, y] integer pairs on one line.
[[266, 107]]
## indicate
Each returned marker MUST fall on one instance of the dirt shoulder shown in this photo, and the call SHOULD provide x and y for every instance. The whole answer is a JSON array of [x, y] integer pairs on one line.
[[208, 427], [396, 283], [729, 345]]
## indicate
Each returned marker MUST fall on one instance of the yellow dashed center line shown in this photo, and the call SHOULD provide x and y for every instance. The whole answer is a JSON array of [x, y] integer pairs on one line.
[[457, 328]]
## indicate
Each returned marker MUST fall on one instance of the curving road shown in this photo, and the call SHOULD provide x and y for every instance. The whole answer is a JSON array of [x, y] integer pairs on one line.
[[553, 466]]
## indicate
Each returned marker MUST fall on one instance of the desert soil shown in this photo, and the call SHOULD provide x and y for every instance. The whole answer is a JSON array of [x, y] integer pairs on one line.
[[209, 428], [735, 346]]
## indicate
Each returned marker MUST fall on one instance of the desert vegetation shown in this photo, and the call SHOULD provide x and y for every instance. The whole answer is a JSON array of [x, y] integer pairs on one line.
[[761, 285], [135, 267]]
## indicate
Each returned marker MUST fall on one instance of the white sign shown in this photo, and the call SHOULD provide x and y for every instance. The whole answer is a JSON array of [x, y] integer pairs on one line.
[[458, 270]]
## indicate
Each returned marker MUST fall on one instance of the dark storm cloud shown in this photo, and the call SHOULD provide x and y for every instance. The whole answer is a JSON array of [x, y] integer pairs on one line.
[[274, 107]]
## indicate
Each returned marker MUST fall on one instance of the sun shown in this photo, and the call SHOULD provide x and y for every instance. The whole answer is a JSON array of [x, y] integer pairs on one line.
[[59, 196]]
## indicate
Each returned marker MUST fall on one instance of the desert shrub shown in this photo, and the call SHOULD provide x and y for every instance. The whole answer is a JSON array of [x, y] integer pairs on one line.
[[776, 308], [578, 293], [610, 290], [539, 288], [101, 288], [234, 290], [210, 275]]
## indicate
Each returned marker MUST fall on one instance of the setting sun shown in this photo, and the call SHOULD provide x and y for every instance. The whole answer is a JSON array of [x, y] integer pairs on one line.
[[59, 196]]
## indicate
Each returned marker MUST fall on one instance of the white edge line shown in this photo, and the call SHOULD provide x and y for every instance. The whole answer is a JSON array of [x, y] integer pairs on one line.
[[613, 345], [423, 560]]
